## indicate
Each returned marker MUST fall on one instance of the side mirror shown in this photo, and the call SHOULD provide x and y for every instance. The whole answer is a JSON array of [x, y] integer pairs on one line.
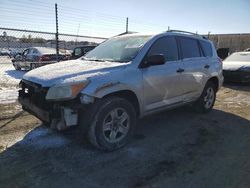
[[153, 60]]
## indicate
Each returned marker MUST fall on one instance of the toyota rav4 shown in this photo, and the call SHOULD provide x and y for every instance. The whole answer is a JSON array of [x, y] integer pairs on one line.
[[125, 78]]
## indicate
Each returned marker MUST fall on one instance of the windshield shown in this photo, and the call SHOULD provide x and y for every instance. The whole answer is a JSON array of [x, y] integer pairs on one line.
[[239, 57], [119, 49]]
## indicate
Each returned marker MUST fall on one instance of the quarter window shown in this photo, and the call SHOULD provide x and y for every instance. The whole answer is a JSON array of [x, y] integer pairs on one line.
[[207, 49], [189, 48], [166, 46]]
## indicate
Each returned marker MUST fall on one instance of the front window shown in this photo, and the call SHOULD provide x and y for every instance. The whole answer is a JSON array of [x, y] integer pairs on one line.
[[166, 46], [118, 49]]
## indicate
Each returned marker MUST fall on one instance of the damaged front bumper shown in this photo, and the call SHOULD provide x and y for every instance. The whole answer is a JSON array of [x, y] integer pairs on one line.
[[59, 115]]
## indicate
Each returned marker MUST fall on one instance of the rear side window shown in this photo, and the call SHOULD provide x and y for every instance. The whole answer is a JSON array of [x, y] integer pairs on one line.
[[35, 51], [207, 48], [166, 46], [189, 47]]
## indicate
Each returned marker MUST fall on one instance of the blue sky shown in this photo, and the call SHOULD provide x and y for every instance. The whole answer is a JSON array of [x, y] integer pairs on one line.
[[106, 18]]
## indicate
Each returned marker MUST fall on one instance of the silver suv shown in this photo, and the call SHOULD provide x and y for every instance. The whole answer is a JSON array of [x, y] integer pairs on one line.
[[124, 78]]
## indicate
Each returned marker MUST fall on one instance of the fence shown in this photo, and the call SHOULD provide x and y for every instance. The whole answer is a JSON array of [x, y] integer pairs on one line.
[[235, 42], [17, 39]]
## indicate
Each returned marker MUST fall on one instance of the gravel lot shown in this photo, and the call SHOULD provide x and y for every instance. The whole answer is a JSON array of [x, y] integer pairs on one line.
[[177, 148]]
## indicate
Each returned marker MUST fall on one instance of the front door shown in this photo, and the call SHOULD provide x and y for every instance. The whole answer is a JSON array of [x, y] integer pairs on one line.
[[162, 83]]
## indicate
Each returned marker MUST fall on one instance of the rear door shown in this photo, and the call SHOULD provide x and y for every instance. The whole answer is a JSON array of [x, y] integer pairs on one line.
[[196, 67], [162, 83]]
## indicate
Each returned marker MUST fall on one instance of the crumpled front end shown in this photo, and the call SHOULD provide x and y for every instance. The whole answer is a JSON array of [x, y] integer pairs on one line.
[[58, 114]]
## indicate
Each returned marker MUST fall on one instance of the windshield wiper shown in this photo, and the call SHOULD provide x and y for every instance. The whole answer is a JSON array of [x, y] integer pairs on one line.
[[89, 59], [103, 60]]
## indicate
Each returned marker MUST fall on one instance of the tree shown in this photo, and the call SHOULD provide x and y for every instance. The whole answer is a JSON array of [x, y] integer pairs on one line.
[[23, 39], [4, 34]]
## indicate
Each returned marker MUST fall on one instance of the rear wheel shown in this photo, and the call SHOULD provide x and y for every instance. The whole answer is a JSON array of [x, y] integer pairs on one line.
[[32, 66], [206, 101], [112, 124]]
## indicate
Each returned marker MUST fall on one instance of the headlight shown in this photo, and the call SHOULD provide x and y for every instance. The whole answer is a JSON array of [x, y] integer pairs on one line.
[[65, 91]]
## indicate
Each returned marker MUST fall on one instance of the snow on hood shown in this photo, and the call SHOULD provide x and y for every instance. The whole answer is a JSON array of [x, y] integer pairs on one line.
[[70, 72], [236, 65]]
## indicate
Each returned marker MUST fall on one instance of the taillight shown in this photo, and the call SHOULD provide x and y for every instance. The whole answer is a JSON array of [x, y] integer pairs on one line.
[[44, 58]]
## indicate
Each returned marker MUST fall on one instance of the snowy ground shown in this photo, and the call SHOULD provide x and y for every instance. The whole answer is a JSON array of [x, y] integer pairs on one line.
[[9, 79]]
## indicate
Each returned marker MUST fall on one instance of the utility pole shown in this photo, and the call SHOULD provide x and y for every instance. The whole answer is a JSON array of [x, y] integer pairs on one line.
[[208, 34], [57, 43], [127, 25], [77, 33]]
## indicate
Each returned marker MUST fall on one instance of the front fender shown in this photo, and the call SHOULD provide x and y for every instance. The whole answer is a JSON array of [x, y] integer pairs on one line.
[[107, 88]]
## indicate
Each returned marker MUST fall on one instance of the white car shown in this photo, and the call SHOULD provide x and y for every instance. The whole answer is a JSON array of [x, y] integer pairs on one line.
[[236, 68]]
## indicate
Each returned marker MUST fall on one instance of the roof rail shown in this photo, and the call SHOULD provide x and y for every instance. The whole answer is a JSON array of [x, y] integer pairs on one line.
[[187, 32]]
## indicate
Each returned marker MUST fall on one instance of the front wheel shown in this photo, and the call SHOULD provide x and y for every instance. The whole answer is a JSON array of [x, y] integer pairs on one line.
[[113, 124], [206, 101], [32, 66], [16, 66]]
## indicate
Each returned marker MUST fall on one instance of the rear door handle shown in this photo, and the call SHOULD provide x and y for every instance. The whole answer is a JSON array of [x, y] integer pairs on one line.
[[180, 70], [206, 66]]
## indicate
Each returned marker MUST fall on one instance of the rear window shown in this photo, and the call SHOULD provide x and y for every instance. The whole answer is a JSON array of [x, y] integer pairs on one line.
[[189, 47], [207, 48]]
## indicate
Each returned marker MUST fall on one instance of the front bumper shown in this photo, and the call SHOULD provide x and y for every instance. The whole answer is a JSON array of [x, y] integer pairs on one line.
[[236, 76], [34, 110], [59, 115]]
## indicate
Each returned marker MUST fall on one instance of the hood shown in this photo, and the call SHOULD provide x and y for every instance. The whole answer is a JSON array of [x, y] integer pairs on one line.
[[236, 65], [71, 71]]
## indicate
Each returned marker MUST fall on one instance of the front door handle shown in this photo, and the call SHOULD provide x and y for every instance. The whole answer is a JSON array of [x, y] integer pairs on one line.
[[180, 70], [206, 66]]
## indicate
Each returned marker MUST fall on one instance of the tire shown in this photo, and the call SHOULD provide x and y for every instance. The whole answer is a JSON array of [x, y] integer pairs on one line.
[[46, 124], [32, 66], [16, 67], [206, 101], [113, 122]]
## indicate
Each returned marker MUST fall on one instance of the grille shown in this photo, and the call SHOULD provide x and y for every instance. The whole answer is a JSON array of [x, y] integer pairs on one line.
[[36, 94]]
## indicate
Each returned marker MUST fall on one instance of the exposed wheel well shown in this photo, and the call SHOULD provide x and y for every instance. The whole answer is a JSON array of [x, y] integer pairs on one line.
[[128, 95], [215, 81]]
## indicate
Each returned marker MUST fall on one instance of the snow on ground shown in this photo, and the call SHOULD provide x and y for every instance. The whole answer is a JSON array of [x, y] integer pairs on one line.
[[239, 99], [43, 138], [5, 60], [8, 95], [9, 80]]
